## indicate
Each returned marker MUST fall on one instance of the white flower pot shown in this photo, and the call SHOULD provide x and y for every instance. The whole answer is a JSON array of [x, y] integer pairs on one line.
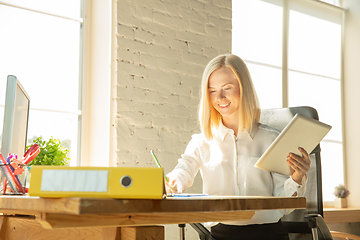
[[340, 203]]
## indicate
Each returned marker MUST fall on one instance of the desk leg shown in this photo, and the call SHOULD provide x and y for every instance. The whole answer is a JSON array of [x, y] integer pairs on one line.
[[142, 233], [3, 224]]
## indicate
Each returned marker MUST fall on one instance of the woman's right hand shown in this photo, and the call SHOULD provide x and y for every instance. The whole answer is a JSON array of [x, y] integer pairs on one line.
[[170, 185]]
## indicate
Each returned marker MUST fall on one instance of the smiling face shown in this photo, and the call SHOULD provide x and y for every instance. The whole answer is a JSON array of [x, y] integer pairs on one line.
[[224, 94]]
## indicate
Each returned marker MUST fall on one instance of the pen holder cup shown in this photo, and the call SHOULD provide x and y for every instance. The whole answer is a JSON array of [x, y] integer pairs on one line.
[[13, 181]]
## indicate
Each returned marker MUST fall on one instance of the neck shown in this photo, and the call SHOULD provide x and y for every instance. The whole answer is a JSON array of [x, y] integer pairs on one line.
[[233, 123]]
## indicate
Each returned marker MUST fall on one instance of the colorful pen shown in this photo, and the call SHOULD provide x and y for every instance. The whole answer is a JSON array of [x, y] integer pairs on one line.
[[158, 164], [8, 160], [14, 184]]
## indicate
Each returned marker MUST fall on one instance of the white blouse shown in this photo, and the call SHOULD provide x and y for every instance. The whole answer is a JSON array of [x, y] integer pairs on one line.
[[226, 164]]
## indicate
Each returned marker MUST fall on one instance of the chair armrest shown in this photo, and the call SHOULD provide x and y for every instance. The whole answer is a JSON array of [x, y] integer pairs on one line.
[[203, 232], [317, 221]]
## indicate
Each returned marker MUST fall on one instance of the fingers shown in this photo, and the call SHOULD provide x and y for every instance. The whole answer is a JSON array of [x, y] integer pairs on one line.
[[305, 154], [300, 165], [170, 186]]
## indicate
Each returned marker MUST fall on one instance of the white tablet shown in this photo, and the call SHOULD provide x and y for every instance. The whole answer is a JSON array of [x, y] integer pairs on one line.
[[301, 131]]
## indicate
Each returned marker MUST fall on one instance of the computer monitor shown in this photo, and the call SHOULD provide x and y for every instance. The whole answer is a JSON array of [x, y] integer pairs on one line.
[[16, 116]]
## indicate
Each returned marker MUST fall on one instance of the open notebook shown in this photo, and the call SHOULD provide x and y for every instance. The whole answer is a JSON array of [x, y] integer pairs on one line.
[[301, 131]]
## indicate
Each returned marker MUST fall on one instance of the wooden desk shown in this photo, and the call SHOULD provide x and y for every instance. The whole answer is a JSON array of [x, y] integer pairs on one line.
[[80, 218]]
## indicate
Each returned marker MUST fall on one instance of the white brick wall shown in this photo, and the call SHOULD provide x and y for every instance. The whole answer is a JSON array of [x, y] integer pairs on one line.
[[162, 49]]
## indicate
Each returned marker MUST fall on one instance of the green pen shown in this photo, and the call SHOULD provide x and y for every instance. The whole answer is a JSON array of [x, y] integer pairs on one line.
[[158, 164]]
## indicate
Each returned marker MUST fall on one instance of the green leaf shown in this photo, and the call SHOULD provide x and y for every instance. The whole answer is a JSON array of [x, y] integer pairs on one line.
[[51, 152]]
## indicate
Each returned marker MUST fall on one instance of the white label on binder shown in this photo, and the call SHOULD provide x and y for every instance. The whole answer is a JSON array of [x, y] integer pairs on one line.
[[74, 180]]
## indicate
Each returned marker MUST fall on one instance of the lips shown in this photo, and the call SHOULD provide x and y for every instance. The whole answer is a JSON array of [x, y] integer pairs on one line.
[[224, 105]]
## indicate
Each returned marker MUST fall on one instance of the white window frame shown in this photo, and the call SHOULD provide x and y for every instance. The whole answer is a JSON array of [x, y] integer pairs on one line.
[[97, 76], [285, 69], [99, 79], [81, 21]]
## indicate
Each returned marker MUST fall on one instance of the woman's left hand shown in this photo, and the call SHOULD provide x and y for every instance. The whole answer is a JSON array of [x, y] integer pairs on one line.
[[299, 165]]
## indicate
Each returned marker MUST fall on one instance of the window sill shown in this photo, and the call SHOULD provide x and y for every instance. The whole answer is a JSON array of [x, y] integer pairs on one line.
[[341, 215]]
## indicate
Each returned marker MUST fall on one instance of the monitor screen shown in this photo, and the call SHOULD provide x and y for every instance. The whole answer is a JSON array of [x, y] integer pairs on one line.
[[16, 115]]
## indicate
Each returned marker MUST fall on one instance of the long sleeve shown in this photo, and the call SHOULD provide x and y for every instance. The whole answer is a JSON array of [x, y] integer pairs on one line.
[[187, 167], [227, 168], [288, 188]]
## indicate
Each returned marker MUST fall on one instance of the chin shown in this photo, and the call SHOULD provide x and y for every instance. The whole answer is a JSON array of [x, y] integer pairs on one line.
[[224, 112]]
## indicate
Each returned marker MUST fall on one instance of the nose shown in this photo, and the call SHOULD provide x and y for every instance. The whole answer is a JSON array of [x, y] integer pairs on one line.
[[221, 94]]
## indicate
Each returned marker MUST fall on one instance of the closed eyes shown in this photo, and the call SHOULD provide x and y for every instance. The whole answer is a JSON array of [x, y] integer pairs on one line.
[[225, 89]]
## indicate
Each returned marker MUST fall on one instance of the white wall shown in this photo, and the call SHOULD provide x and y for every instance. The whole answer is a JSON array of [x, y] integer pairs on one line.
[[162, 49], [352, 99]]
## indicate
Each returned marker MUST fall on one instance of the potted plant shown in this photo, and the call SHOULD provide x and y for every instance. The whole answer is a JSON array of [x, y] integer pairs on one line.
[[51, 152], [341, 193]]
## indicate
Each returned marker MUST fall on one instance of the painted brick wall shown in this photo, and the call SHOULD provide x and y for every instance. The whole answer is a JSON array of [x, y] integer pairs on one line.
[[162, 49]]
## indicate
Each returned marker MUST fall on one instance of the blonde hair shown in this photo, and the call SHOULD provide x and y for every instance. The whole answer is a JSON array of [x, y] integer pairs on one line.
[[249, 104]]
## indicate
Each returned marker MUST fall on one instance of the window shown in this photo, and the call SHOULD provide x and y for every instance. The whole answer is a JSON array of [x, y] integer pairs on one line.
[[41, 45], [293, 51], [332, 2]]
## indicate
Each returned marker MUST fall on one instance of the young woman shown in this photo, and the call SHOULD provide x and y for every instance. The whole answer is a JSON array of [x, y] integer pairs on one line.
[[231, 141]]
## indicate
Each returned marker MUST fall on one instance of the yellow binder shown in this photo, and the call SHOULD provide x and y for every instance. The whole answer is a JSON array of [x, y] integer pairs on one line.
[[102, 182]]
